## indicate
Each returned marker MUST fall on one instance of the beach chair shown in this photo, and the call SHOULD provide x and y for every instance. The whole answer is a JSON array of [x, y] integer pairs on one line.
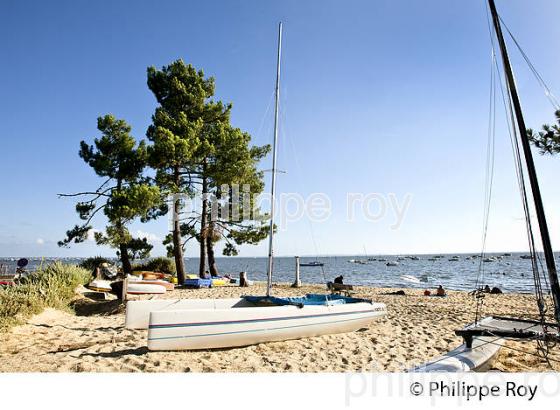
[[340, 289]]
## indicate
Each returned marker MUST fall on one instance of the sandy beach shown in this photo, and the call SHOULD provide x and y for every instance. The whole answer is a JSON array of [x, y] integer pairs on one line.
[[417, 329]]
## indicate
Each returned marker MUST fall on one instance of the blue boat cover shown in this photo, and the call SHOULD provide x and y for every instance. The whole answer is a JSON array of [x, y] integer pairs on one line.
[[309, 299], [198, 283]]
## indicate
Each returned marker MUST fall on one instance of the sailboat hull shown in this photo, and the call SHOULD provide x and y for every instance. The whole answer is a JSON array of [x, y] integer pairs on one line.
[[195, 329], [138, 311]]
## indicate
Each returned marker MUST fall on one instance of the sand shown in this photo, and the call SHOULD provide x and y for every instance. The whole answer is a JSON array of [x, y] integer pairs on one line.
[[417, 329]]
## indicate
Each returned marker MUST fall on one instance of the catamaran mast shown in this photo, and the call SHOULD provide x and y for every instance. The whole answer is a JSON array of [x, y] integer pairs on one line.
[[539, 208], [273, 184]]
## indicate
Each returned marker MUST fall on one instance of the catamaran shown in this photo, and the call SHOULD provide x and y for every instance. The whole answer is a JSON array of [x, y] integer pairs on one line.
[[486, 335], [222, 323]]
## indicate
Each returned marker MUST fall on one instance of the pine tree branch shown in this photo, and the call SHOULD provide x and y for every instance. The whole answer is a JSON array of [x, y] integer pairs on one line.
[[93, 214], [84, 193]]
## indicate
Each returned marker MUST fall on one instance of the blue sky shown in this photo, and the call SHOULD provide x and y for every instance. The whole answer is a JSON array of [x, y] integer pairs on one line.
[[377, 96]]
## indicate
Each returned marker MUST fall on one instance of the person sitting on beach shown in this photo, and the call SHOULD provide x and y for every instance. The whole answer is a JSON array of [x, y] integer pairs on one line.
[[339, 279], [486, 289], [440, 291], [496, 291], [427, 292]]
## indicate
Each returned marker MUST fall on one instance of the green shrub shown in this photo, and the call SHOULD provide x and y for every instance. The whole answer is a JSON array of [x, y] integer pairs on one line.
[[93, 262], [53, 286], [161, 264]]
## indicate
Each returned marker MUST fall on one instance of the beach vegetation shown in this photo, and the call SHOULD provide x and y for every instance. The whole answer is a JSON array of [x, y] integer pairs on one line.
[[53, 286], [160, 264]]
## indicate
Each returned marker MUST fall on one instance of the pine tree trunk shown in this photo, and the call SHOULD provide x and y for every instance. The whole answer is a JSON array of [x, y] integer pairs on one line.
[[123, 249], [211, 256], [125, 260], [177, 243], [203, 227]]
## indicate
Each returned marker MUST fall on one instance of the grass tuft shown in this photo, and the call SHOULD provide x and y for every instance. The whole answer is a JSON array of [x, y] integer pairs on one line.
[[53, 286]]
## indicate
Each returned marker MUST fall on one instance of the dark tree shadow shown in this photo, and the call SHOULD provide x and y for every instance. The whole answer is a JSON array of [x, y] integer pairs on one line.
[[84, 307], [139, 351], [83, 329]]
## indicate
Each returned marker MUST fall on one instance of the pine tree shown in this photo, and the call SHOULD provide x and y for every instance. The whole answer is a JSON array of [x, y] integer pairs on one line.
[[195, 153], [547, 140], [125, 193], [235, 183], [178, 150]]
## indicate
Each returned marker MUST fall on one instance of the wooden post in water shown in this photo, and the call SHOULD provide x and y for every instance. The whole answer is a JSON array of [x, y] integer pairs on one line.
[[297, 283]]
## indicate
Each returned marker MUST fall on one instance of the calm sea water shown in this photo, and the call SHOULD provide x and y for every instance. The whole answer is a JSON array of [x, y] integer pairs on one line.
[[510, 273]]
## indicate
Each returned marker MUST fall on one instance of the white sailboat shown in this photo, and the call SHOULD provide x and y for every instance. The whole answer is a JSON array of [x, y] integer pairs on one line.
[[222, 323]]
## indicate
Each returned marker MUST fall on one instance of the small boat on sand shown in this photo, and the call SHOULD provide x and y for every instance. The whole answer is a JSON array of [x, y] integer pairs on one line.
[[198, 283], [219, 281], [149, 275], [100, 285], [135, 288], [167, 285]]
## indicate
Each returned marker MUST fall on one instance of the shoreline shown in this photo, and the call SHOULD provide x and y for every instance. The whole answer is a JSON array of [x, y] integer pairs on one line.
[[358, 254], [417, 329]]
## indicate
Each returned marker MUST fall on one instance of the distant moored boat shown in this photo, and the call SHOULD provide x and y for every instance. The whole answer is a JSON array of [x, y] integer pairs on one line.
[[314, 263]]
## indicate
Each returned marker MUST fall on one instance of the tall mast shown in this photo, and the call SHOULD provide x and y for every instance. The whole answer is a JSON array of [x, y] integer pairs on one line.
[[273, 184], [539, 208]]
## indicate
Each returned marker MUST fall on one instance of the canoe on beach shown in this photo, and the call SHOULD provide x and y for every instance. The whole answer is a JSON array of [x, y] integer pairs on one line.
[[135, 288], [167, 285], [149, 275], [100, 285]]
